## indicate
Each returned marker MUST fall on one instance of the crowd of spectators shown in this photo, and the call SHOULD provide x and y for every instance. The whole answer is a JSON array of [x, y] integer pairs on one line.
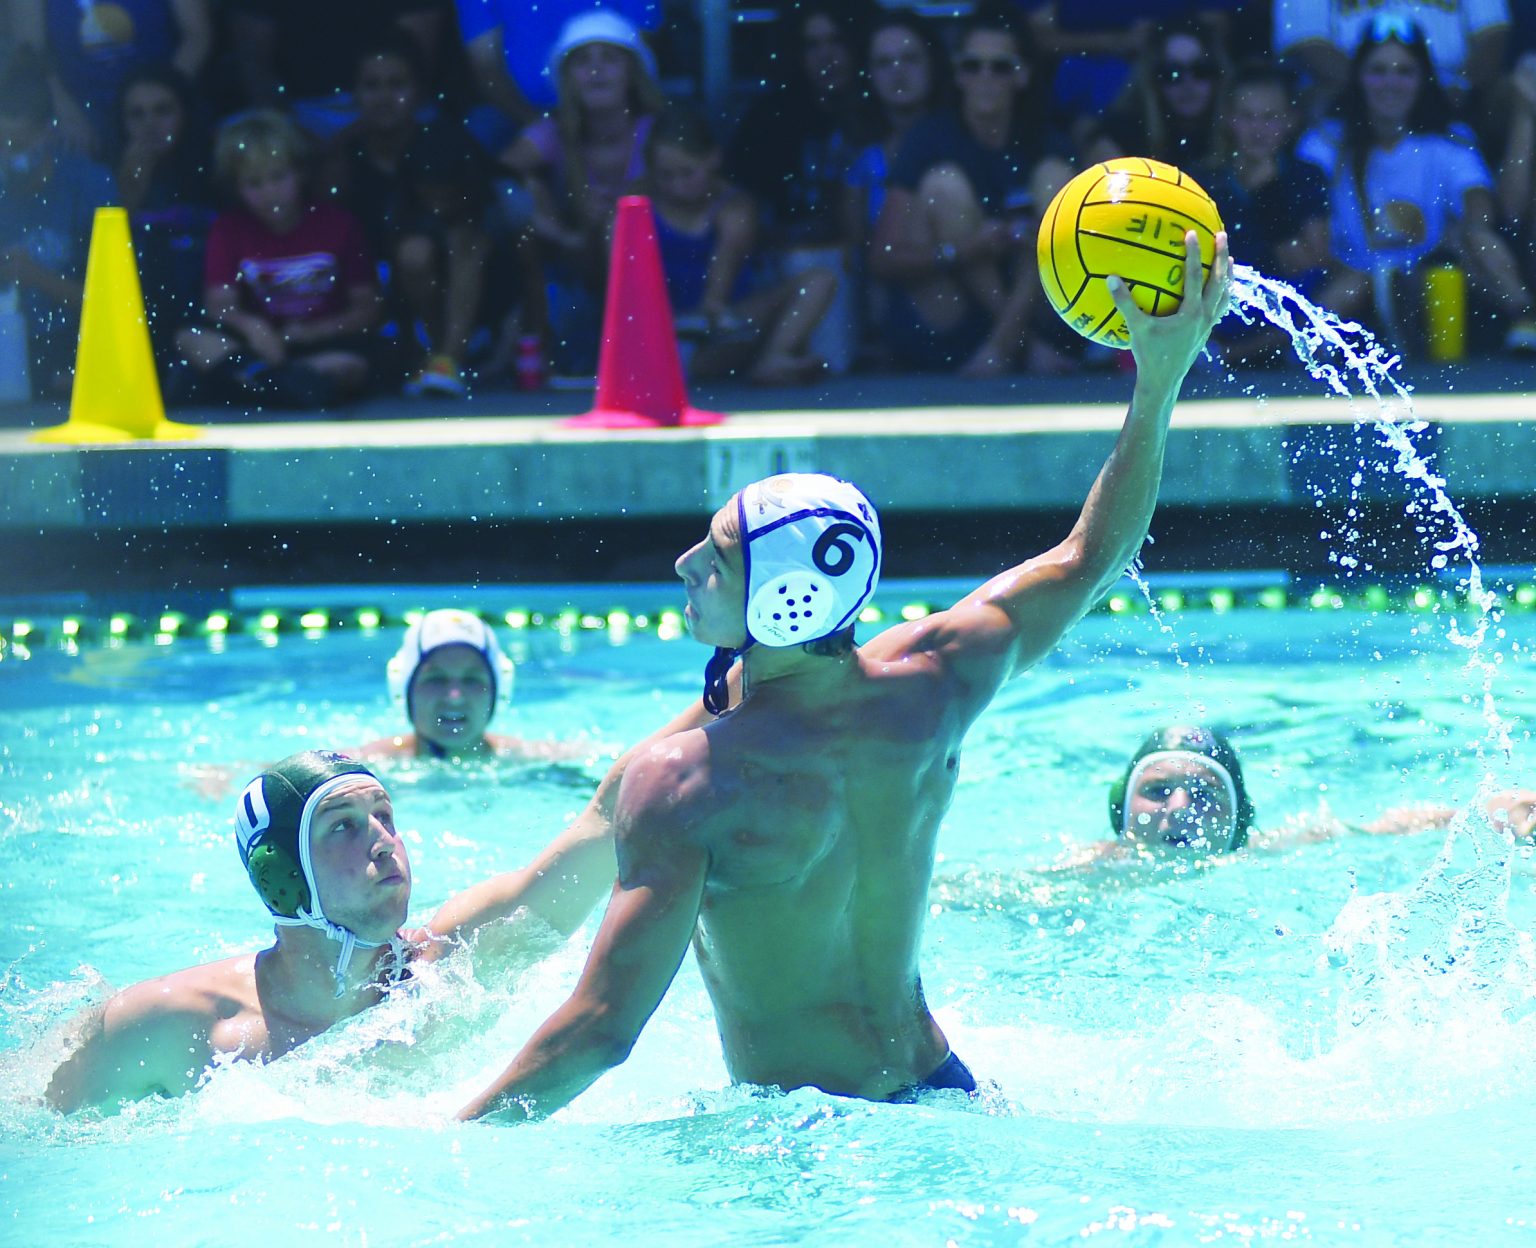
[[415, 196]]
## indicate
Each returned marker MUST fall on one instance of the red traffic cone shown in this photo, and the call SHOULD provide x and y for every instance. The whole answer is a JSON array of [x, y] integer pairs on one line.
[[639, 372]]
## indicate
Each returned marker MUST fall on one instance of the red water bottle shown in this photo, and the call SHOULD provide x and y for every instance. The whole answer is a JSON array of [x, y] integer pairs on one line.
[[530, 362]]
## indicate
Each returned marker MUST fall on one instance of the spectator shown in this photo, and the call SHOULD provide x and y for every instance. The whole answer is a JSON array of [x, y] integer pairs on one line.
[[163, 182], [507, 42], [290, 292], [92, 48], [48, 200], [1466, 41], [1409, 184], [1516, 184], [421, 191], [298, 55], [1094, 48], [1169, 110], [706, 230], [956, 236], [793, 149], [1275, 206], [908, 76], [578, 161]]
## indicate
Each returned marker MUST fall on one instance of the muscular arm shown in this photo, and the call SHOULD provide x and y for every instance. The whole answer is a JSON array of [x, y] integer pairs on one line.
[[565, 881], [1005, 626], [641, 943], [145, 1041]]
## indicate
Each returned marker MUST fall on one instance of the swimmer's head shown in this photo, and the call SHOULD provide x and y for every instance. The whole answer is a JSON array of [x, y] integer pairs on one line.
[[1184, 788], [790, 560], [448, 677], [311, 808]]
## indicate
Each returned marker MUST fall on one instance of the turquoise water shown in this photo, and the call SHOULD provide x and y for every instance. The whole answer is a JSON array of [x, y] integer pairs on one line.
[[1321, 1042]]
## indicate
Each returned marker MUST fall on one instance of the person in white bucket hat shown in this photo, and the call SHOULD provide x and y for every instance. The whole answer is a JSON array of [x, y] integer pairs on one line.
[[791, 841]]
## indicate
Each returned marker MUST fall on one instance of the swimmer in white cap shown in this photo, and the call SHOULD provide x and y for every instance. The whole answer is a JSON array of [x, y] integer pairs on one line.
[[317, 836], [449, 678], [792, 840]]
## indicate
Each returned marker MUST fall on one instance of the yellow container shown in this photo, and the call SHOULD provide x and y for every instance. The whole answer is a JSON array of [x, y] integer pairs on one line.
[[1445, 312]]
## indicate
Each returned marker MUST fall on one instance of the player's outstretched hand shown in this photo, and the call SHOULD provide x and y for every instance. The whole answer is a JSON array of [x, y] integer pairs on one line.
[[1166, 347]]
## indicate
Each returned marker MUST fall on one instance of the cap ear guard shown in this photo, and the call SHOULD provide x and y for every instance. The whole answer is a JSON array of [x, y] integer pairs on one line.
[[791, 608], [279, 880], [811, 548]]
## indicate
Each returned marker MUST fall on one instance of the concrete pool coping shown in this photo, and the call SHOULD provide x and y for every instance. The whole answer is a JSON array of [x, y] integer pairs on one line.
[[1021, 457]]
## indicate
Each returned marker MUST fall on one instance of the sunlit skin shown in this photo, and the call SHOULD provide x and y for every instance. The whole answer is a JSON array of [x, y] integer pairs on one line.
[[791, 842], [1186, 90], [360, 864], [452, 699], [900, 74], [269, 188], [158, 1037], [1179, 802]]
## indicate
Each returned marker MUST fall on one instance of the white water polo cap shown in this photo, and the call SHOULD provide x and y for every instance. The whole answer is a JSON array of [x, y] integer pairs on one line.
[[811, 547], [274, 818], [448, 626]]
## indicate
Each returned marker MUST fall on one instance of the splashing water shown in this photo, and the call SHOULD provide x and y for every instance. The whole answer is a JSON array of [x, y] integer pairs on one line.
[[1316, 336], [1443, 947]]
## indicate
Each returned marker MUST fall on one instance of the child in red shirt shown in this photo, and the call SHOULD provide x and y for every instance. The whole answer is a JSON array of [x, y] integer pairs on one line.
[[290, 292]]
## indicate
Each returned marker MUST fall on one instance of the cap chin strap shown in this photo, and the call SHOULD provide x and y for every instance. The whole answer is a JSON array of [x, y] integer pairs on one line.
[[1183, 756], [315, 917], [717, 693]]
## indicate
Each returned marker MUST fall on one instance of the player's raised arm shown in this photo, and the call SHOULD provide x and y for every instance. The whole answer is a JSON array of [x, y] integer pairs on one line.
[[1009, 623]]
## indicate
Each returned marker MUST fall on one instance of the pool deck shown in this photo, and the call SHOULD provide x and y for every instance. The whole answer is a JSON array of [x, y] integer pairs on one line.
[[1246, 447]]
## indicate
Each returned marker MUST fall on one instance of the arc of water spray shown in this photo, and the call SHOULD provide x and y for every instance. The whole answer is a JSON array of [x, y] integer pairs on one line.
[[1314, 331]]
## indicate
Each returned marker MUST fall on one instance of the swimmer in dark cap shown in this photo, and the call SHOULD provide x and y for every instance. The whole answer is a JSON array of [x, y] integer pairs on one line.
[[1183, 789], [316, 833], [791, 841]]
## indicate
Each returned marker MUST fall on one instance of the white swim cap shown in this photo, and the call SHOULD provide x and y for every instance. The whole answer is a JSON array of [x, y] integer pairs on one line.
[[599, 26], [811, 545], [448, 626]]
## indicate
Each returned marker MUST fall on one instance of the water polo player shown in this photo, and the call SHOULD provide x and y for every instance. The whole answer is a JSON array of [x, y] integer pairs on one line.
[[316, 833], [1183, 788], [792, 839], [448, 678]]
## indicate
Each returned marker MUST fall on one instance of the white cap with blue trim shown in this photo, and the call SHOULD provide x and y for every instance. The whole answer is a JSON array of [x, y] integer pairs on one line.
[[811, 544]]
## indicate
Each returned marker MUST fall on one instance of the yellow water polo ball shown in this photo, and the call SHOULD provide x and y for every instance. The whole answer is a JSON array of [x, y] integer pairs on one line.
[[1127, 217]]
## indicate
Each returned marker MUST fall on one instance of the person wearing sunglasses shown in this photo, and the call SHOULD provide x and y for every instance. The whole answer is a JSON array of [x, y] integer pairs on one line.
[[1467, 42], [1410, 188], [1168, 110], [955, 238]]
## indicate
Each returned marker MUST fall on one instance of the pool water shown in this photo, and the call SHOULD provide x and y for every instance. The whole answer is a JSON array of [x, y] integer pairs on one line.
[[1321, 1041]]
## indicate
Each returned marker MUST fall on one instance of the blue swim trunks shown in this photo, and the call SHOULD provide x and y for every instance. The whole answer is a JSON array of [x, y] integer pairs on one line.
[[952, 1074]]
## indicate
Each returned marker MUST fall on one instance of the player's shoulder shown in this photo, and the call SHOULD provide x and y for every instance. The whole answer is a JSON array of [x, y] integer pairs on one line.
[[196, 994]]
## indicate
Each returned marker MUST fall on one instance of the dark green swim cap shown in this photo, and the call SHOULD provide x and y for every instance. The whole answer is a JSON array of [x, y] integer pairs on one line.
[[268, 819], [1189, 739]]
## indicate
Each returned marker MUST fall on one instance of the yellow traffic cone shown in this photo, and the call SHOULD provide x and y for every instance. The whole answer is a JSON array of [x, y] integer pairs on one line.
[[116, 396]]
